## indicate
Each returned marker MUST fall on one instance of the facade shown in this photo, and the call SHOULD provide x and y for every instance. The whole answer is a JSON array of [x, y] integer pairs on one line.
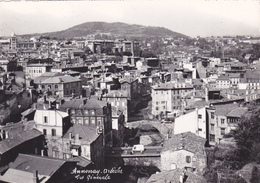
[[86, 142], [33, 169], [52, 123], [93, 113], [195, 122], [185, 150], [118, 124], [223, 82], [35, 70], [222, 119], [62, 86], [169, 98], [29, 142], [119, 100]]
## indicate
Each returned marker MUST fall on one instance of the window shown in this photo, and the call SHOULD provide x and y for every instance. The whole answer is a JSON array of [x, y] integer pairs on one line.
[[222, 121], [43, 86], [86, 121], [44, 132], [199, 116], [49, 86], [157, 102], [56, 86], [222, 131], [212, 138], [45, 119], [212, 127], [188, 159], [212, 115], [86, 112], [157, 108], [53, 132]]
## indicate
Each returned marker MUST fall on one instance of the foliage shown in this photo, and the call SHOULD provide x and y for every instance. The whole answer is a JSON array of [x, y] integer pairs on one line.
[[255, 178]]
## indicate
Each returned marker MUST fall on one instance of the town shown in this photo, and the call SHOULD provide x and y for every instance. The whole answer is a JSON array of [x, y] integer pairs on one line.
[[96, 108]]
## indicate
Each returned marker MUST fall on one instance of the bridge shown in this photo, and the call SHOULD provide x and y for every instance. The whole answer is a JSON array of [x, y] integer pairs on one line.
[[126, 152], [151, 156], [164, 128]]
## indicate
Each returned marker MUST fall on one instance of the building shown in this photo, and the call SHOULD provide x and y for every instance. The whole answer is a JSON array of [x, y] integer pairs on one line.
[[62, 86], [86, 142], [93, 113], [36, 169], [223, 82], [176, 176], [28, 142], [222, 119], [118, 125], [194, 121], [169, 97], [119, 100], [184, 151], [51, 122]]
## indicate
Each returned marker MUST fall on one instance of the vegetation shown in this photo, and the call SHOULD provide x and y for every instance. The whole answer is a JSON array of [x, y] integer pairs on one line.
[[246, 149]]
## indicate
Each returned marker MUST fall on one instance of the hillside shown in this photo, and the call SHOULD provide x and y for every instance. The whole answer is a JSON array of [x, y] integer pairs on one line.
[[115, 30]]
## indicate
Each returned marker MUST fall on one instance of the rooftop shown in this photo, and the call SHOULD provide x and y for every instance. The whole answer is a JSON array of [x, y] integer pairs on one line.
[[173, 176], [87, 134], [43, 164], [17, 139], [188, 141]]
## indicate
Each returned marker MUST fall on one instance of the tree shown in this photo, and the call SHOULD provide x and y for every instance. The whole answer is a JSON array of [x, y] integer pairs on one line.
[[255, 178]]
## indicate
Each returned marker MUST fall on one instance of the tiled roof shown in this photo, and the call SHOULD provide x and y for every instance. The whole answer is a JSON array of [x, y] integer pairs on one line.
[[224, 109], [43, 164], [45, 76], [173, 176], [89, 104], [86, 133], [187, 141], [60, 79], [81, 161], [237, 112], [116, 93], [19, 176], [17, 139]]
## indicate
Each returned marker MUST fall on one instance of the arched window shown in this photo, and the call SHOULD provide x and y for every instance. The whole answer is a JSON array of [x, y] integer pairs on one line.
[[188, 159]]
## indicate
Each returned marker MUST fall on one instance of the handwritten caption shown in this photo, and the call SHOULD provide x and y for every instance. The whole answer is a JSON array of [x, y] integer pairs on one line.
[[95, 174]]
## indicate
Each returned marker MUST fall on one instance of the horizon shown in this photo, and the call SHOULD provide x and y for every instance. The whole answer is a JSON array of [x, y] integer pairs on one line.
[[191, 18]]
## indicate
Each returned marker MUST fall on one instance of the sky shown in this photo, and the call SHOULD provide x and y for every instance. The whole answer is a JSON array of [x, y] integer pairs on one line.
[[189, 17]]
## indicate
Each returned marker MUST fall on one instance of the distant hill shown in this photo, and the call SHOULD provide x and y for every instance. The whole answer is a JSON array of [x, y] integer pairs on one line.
[[114, 30]]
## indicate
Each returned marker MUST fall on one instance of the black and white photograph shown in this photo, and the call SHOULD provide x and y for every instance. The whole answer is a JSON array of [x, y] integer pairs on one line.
[[132, 91]]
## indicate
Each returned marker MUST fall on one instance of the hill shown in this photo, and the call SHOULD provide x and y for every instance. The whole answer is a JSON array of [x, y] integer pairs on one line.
[[115, 30]]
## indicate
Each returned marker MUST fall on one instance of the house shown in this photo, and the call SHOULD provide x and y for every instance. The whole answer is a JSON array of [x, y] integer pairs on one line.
[[223, 82], [62, 86], [29, 142], [169, 97], [131, 86], [222, 119], [176, 176], [91, 112], [194, 121], [185, 150], [32, 169], [118, 123], [86, 142], [118, 99], [52, 123]]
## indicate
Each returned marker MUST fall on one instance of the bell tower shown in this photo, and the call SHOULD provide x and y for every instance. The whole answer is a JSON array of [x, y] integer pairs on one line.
[[13, 41]]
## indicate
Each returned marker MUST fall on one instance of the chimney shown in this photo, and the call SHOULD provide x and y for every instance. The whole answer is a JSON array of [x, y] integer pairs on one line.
[[181, 179], [70, 136], [42, 152], [77, 138], [35, 176], [6, 134]]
